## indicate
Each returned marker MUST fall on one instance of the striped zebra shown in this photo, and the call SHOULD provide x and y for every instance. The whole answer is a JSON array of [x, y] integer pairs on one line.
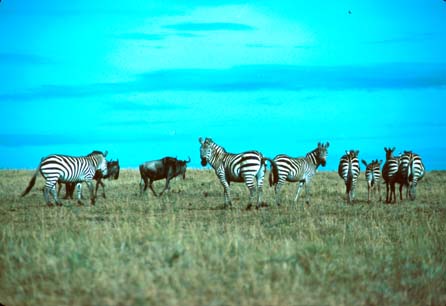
[[349, 170], [288, 169], [373, 177], [65, 169], [410, 171], [243, 167], [389, 172]]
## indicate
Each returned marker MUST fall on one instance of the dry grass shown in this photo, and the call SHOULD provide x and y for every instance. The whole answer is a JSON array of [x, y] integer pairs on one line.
[[184, 249]]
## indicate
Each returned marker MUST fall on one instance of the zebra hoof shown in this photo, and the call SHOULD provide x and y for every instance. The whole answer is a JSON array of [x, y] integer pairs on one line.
[[80, 203], [50, 204], [58, 203], [249, 207]]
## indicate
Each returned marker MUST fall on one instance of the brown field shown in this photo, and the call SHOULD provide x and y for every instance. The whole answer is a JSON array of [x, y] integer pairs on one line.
[[184, 249]]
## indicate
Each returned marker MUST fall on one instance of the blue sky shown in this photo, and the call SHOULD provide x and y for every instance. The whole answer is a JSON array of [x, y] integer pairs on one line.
[[145, 79]]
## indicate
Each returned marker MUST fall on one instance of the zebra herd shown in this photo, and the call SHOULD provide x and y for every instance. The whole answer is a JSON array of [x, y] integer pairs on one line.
[[248, 167], [406, 169]]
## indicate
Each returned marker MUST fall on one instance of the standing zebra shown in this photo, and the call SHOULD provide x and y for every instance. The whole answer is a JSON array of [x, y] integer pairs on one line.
[[349, 170], [373, 176], [410, 171], [390, 170], [243, 167], [285, 168], [65, 169]]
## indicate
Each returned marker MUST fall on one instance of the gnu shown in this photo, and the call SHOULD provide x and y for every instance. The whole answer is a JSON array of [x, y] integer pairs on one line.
[[165, 168], [65, 169]]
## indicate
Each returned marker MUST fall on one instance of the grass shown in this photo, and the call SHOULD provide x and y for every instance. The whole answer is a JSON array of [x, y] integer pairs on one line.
[[184, 249]]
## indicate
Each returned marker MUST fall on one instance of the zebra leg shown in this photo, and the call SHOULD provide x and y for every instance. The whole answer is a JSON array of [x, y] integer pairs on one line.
[[79, 193], [92, 194], [252, 191], [369, 190], [277, 192], [413, 190], [46, 196], [401, 192], [54, 193], [260, 177], [299, 188], [379, 191], [307, 192], [392, 193]]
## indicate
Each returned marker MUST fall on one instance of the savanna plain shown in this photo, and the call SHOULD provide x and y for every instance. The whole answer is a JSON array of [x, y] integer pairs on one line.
[[184, 248]]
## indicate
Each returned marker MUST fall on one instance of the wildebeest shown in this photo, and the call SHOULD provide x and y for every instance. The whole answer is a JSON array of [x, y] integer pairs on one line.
[[112, 174], [165, 168]]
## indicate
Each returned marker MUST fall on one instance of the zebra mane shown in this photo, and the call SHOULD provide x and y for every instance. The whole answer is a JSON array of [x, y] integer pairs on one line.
[[98, 153]]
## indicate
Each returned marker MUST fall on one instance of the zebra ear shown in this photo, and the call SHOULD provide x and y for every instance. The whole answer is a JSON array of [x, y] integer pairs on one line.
[[327, 144], [105, 153], [200, 140], [364, 162], [380, 162]]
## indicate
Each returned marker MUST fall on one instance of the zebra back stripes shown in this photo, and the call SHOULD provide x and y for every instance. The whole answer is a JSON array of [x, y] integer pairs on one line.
[[373, 177], [245, 167], [410, 171], [285, 168], [348, 170], [64, 168]]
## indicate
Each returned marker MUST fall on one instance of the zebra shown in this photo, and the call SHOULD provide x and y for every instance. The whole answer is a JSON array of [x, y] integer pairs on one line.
[[349, 171], [113, 169], [243, 167], [373, 177], [410, 171], [66, 168], [285, 168], [389, 172]]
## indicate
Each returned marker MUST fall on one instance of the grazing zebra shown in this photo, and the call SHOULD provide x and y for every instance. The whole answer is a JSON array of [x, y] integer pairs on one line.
[[349, 170], [65, 168], [243, 167], [410, 171], [113, 174], [373, 176], [285, 168], [389, 172]]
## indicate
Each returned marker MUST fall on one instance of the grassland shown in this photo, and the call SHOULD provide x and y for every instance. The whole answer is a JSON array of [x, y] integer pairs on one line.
[[184, 249]]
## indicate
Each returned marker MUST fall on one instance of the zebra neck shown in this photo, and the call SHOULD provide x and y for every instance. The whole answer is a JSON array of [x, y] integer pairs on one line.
[[311, 157]]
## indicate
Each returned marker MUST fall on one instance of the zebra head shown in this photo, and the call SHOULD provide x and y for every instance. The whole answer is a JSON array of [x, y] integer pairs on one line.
[[99, 161], [322, 153], [205, 150]]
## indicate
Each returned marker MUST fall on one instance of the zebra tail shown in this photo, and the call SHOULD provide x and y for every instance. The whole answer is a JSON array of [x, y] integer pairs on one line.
[[31, 183], [274, 174]]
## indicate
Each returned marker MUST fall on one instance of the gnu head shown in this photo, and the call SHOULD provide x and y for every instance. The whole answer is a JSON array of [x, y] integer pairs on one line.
[[181, 167], [113, 169], [205, 150], [322, 153]]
